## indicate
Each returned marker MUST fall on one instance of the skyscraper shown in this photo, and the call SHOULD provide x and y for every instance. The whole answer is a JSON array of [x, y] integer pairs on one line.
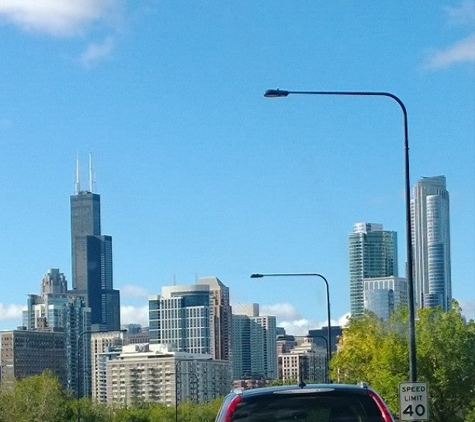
[[91, 255], [181, 317], [56, 309], [431, 243], [221, 317], [254, 344], [373, 253]]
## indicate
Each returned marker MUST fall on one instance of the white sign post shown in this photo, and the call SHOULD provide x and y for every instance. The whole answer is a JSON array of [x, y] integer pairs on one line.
[[413, 402]]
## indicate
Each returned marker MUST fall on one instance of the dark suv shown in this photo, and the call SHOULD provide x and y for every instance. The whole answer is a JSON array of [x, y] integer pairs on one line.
[[309, 403]]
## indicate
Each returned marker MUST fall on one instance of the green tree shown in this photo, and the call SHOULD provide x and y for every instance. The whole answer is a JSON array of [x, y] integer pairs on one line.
[[36, 399], [376, 352]]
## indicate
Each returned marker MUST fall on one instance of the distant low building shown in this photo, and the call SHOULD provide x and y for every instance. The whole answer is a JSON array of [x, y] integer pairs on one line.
[[25, 353], [307, 362], [155, 373]]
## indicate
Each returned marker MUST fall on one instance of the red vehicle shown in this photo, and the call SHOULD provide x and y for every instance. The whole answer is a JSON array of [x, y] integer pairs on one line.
[[305, 403]]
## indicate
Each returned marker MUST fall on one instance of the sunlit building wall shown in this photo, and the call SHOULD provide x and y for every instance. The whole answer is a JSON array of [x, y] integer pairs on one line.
[[431, 243], [384, 295], [373, 253]]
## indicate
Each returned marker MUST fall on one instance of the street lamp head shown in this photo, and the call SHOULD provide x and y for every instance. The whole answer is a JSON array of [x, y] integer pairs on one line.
[[275, 93], [257, 275]]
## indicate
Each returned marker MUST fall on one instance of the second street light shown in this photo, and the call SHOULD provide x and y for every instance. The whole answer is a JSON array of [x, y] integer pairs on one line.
[[276, 93], [329, 342]]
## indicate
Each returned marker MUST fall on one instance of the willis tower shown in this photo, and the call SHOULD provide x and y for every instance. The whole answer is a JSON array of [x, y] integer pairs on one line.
[[91, 254]]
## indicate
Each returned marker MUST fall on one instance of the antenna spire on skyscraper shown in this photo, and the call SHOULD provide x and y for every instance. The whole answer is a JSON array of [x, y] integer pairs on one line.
[[91, 174], [77, 185]]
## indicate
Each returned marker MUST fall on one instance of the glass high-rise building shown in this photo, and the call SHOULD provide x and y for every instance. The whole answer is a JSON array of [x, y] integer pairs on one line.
[[385, 295], [373, 254], [254, 344], [56, 309], [431, 243], [91, 255], [181, 317]]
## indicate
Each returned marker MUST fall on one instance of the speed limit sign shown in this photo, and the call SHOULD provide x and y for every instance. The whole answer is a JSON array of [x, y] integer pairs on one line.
[[413, 402]]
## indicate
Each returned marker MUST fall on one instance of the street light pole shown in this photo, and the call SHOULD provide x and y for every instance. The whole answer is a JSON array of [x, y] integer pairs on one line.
[[329, 343], [275, 93]]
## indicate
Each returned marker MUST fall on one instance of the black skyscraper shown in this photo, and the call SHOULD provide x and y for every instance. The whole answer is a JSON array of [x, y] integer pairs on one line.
[[91, 255]]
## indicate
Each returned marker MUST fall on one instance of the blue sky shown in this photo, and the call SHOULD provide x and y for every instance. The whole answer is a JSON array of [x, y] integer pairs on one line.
[[199, 174]]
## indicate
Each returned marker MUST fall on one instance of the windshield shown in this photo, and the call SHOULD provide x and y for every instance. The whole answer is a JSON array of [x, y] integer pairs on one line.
[[308, 408]]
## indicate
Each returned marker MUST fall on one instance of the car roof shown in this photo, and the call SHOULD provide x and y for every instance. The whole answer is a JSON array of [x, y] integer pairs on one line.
[[317, 388]]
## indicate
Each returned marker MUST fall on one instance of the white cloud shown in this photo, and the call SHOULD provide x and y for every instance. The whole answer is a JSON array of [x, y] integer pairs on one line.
[[282, 311], [464, 14], [461, 52], [56, 17], [10, 312], [468, 308], [134, 315], [130, 290], [96, 52], [289, 318]]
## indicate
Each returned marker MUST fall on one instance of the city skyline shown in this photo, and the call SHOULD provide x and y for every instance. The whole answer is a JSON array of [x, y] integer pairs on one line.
[[199, 174]]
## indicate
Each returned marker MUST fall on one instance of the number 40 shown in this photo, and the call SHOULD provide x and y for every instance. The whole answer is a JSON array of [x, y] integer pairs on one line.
[[419, 410]]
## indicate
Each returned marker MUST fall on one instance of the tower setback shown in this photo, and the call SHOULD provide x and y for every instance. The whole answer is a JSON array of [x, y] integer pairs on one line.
[[91, 256]]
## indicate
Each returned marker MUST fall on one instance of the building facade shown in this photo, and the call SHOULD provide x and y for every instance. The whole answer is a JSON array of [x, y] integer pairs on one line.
[[221, 317], [55, 308], [154, 373], [306, 362], [373, 253], [384, 295], [431, 243], [105, 346], [181, 317], [25, 353], [91, 256], [254, 344]]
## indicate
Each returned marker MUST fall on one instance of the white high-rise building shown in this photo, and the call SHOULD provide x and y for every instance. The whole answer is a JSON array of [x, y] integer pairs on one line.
[[105, 346], [157, 374], [431, 243], [254, 344]]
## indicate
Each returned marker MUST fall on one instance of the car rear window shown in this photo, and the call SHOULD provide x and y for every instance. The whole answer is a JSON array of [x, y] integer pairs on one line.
[[308, 407]]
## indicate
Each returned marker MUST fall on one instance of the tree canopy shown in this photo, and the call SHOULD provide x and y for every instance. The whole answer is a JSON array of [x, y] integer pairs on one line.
[[377, 352]]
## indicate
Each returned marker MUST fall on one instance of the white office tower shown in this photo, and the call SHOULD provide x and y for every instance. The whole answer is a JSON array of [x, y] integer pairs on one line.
[[384, 295], [254, 344], [431, 243], [373, 254], [105, 346], [157, 374], [181, 317]]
